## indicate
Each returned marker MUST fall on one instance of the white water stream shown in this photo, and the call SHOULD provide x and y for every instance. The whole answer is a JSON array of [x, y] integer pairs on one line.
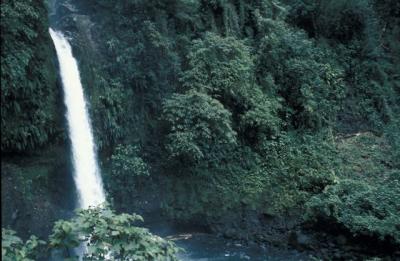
[[86, 171]]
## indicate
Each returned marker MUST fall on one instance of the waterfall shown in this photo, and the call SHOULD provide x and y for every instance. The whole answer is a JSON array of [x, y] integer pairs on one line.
[[86, 171]]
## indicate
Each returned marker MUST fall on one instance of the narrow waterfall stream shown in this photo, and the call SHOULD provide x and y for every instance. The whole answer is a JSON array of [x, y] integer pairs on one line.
[[86, 171]]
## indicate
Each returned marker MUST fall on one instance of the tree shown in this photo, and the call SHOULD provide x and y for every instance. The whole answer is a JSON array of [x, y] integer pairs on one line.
[[198, 125], [307, 76], [219, 66], [106, 235], [128, 169]]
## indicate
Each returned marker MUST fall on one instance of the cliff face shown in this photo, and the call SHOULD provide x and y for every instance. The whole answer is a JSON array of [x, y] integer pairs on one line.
[[35, 175], [227, 114], [36, 190], [30, 96], [37, 186]]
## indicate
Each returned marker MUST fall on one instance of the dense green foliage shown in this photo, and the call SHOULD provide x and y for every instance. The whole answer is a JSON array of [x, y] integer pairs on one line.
[[199, 124], [127, 171], [241, 106], [364, 37], [365, 201], [109, 236], [103, 234], [230, 106], [28, 77], [14, 249], [361, 208]]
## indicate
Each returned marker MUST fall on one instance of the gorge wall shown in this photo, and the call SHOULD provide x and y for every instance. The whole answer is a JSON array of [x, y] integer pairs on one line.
[[247, 119]]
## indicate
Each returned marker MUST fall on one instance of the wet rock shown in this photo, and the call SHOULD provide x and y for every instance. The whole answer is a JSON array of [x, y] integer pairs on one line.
[[14, 216], [341, 240], [252, 243], [244, 256], [230, 233], [324, 250], [65, 9], [337, 255], [300, 240]]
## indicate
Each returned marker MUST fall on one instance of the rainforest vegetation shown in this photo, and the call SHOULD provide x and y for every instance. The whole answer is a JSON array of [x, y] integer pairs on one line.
[[262, 120]]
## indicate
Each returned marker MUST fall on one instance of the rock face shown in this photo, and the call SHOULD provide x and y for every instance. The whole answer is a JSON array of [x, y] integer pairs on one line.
[[35, 179], [37, 188], [36, 191], [300, 241], [257, 227]]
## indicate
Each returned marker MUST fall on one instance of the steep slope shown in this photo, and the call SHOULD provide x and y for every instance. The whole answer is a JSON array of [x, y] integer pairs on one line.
[[34, 159]]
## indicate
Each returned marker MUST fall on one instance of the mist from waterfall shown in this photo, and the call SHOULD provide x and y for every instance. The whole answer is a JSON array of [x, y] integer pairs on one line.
[[86, 171]]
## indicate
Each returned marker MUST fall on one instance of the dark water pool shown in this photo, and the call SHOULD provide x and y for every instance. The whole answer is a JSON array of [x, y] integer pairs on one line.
[[200, 246]]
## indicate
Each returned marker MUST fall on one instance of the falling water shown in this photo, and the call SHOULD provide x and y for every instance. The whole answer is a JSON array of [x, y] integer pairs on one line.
[[86, 171]]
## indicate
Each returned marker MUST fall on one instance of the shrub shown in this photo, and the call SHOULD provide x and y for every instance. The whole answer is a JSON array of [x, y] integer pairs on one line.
[[306, 76], [109, 236], [128, 170], [14, 249], [197, 123], [360, 208]]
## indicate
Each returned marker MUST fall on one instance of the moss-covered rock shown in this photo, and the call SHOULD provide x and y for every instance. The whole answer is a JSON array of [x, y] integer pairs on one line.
[[36, 191]]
